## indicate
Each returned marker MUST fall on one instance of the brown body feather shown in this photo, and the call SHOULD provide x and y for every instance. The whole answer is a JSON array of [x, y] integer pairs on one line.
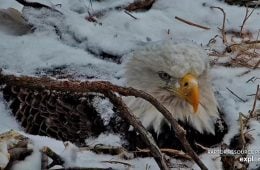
[[64, 116]]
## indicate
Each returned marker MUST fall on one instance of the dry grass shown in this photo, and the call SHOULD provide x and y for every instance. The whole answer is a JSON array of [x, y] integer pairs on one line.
[[241, 46]]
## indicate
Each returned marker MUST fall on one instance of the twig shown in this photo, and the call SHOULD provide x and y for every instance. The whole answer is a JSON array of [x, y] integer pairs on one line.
[[254, 105], [146, 136], [191, 23], [256, 40], [242, 137], [99, 148], [245, 19], [251, 79], [56, 159], [112, 150], [224, 38], [168, 151], [212, 40], [202, 147], [128, 13], [244, 73], [102, 87], [235, 95], [117, 162]]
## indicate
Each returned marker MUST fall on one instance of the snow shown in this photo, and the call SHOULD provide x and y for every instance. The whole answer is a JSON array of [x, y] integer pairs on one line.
[[7, 122], [105, 139], [104, 107], [118, 33], [4, 155]]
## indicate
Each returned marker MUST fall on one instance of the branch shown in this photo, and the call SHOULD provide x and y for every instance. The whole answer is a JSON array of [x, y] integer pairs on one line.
[[242, 128], [102, 87], [243, 100], [146, 136], [118, 162], [128, 13], [191, 23], [168, 151], [252, 112], [56, 159], [245, 19], [224, 38], [99, 148]]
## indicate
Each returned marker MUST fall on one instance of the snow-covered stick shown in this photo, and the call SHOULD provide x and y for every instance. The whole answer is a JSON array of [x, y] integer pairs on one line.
[[102, 87], [56, 159]]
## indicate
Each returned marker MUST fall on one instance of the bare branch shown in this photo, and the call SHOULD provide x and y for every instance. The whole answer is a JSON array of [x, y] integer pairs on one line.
[[128, 13], [118, 162], [224, 38], [168, 151], [146, 136], [252, 112], [191, 23], [242, 127], [243, 100], [245, 19]]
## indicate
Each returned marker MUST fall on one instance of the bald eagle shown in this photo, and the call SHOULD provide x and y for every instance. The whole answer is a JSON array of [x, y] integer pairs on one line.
[[177, 75], [174, 73]]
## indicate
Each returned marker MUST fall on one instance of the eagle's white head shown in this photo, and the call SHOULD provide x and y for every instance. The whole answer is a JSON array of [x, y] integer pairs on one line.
[[176, 74]]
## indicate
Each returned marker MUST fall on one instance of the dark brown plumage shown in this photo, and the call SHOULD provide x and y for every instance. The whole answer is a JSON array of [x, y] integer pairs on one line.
[[64, 116]]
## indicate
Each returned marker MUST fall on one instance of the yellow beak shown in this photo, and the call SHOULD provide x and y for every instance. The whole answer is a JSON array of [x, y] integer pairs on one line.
[[189, 90]]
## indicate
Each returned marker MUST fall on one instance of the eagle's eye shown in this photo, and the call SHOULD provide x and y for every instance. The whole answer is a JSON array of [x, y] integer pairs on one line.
[[164, 76]]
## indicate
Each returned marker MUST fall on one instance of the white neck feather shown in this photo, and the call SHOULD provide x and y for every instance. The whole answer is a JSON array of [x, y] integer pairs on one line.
[[203, 120]]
